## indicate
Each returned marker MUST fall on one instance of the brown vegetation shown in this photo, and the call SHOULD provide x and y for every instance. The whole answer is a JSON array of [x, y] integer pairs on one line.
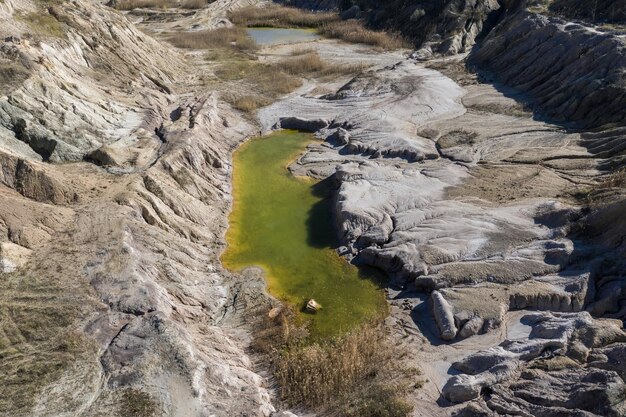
[[310, 63], [160, 4], [218, 38], [136, 403], [617, 179], [258, 84], [43, 23], [37, 343], [267, 82], [353, 375], [354, 31]]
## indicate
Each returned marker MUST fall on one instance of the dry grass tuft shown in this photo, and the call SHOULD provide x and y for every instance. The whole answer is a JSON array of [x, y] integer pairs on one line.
[[353, 31], [310, 63], [352, 376], [248, 103], [160, 4], [617, 179], [137, 403], [302, 51], [232, 37]]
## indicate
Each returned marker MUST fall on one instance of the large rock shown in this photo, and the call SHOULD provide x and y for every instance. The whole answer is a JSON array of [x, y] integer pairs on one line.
[[299, 123], [545, 373]]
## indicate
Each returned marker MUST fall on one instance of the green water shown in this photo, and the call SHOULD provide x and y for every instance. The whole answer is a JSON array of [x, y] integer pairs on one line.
[[283, 224]]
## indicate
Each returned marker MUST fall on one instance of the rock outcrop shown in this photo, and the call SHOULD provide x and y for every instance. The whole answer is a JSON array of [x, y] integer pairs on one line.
[[572, 73], [112, 296], [559, 370]]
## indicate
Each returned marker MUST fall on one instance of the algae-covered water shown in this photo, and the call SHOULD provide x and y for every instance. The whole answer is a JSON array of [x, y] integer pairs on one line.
[[284, 225]]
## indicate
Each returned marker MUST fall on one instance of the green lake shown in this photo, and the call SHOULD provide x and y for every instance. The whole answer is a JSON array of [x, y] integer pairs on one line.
[[284, 225]]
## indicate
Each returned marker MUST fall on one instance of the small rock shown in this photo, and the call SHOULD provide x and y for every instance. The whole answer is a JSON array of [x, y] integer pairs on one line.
[[340, 137], [274, 312], [312, 306]]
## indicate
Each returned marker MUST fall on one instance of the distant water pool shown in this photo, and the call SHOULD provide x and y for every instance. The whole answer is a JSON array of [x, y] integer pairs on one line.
[[276, 36], [284, 225]]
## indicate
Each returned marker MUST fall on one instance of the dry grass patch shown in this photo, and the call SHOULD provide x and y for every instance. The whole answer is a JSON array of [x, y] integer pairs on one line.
[[232, 37], [264, 83], [264, 77], [355, 32], [137, 403], [354, 375], [160, 4], [310, 63], [280, 16], [248, 103], [37, 343], [44, 24], [302, 51], [194, 4]]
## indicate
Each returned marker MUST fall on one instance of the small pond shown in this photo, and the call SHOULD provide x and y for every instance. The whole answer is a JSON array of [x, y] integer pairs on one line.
[[276, 36], [284, 225]]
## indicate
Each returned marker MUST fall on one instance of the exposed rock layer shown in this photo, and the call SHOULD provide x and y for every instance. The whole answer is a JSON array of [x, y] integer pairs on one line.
[[112, 295]]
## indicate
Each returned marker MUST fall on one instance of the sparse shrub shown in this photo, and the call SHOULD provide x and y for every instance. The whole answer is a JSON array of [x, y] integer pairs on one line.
[[264, 77], [380, 401], [266, 81], [302, 51]]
